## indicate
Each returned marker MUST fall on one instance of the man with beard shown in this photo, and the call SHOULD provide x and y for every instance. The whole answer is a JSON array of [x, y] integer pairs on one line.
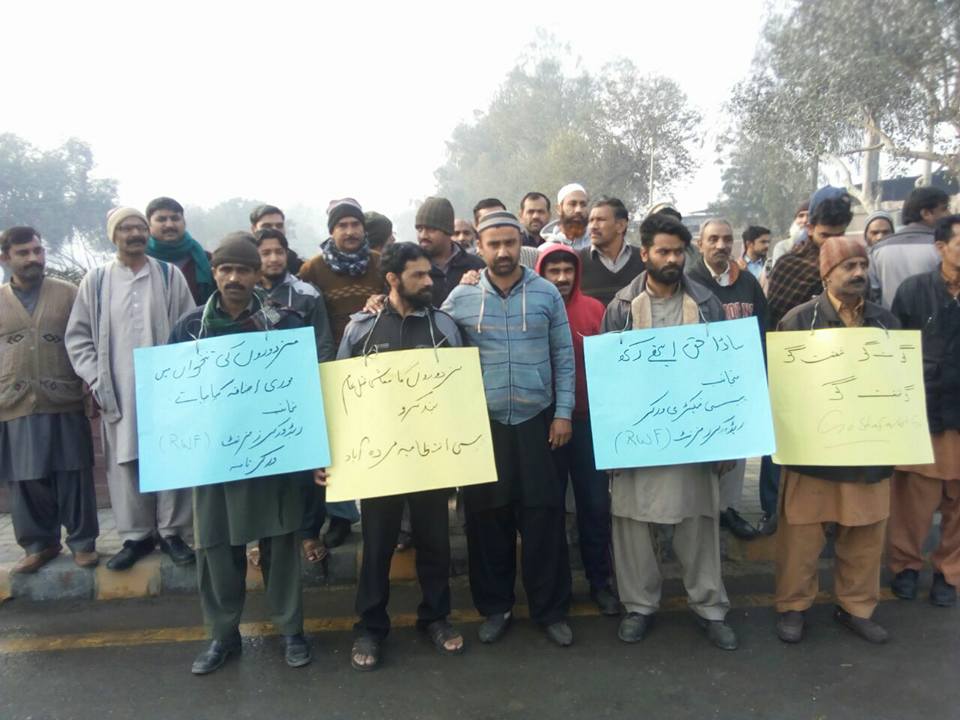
[[796, 277], [794, 238], [347, 273], [528, 255], [449, 261], [379, 230], [465, 235], [684, 496], [129, 303], [534, 214], [570, 227], [267, 509], [170, 242], [856, 500], [407, 321], [610, 263], [518, 322], [46, 451], [561, 266], [741, 296], [756, 243]]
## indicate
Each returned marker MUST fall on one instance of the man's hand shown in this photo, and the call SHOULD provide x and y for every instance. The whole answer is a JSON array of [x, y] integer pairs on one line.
[[375, 304], [560, 433], [90, 407], [724, 466], [470, 277], [320, 477]]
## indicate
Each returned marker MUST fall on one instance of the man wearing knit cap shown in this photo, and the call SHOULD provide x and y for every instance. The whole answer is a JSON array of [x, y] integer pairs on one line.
[[518, 321], [379, 231], [265, 509], [46, 450], [877, 226], [796, 277], [856, 499], [347, 272], [570, 227], [434, 225], [130, 302]]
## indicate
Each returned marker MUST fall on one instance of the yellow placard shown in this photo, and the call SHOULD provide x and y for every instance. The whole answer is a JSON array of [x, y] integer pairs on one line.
[[848, 396], [406, 421]]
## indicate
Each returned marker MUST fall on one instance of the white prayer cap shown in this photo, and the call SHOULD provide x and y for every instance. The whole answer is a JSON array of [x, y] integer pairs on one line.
[[567, 189]]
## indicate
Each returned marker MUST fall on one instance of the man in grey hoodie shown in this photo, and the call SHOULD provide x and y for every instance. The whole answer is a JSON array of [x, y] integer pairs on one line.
[[518, 321]]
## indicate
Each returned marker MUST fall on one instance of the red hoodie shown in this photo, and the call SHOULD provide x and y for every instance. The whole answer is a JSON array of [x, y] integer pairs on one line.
[[584, 315]]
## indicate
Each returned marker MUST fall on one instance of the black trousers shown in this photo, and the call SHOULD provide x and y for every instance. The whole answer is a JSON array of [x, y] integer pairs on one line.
[[380, 524], [528, 499], [40, 507]]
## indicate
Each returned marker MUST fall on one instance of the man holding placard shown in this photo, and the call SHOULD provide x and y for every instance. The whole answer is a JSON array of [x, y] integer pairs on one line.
[[518, 322], [684, 496], [229, 515], [929, 302], [406, 322], [856, 498]]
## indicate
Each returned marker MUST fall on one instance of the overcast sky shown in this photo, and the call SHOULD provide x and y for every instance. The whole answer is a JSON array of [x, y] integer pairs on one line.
[[208, 101]]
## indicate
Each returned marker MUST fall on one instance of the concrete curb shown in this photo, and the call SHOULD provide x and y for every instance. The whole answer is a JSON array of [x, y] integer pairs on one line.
[[155, 575]]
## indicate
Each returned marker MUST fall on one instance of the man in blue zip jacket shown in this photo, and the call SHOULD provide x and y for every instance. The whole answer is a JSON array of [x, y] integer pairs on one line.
[[519, 323]]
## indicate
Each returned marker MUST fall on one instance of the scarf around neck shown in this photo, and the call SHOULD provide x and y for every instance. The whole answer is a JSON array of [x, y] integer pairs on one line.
[[186, 246], [353, 264], [263, 315]]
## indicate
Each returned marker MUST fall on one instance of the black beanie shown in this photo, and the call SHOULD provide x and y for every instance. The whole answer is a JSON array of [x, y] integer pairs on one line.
[[237, 248], [436, 212], [337, 210]]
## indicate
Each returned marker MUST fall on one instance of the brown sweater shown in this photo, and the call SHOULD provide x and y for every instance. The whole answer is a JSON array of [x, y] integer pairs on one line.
[[343, 294], [35, 372]]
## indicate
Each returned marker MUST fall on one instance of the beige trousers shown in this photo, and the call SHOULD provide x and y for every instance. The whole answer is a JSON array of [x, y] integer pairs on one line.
[[696, 542], [913, 501]]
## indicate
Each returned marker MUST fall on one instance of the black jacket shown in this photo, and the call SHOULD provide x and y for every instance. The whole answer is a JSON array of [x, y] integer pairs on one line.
[[819, 314], [445, 282], [387, 330], [743, 297], [923, 303]]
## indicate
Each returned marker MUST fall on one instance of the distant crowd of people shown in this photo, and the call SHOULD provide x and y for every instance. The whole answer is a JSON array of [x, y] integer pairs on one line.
[[525, 290]]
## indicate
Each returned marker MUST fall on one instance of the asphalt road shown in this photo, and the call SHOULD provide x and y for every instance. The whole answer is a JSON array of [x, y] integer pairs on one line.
[[131, 660]]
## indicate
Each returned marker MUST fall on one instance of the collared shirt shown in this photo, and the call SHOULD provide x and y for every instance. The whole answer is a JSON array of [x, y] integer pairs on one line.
[[616, 265], [755, 267], [723, 279], [852, 316]]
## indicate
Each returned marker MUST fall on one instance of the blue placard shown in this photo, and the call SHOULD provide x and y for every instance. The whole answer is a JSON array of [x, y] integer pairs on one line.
[[683, 394], [229, 408]]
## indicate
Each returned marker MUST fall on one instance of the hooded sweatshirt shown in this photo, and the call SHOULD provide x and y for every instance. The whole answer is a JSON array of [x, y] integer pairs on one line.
[[526, 352], [584, 315]]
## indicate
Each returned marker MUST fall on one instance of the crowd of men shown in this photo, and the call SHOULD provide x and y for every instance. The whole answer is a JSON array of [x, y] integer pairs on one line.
[[525, 291]]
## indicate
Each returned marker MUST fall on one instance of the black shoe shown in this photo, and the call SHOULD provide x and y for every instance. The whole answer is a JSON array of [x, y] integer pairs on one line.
[[338, 531], [178, 550], [790, 626], [560, 633], [719, 633], [216, 655], [296, 650], [131, 551], [768, 525], [734, 522], [606, 601], [864, 627], [634, 627], [904, 584], [493, 628], [942, 593]]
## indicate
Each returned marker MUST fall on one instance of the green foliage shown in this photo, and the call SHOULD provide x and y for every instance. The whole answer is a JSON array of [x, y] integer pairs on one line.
[[548, 126], [53, 192]]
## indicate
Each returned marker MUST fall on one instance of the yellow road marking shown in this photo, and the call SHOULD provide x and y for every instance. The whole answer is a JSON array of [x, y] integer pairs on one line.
[[158, 636]]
